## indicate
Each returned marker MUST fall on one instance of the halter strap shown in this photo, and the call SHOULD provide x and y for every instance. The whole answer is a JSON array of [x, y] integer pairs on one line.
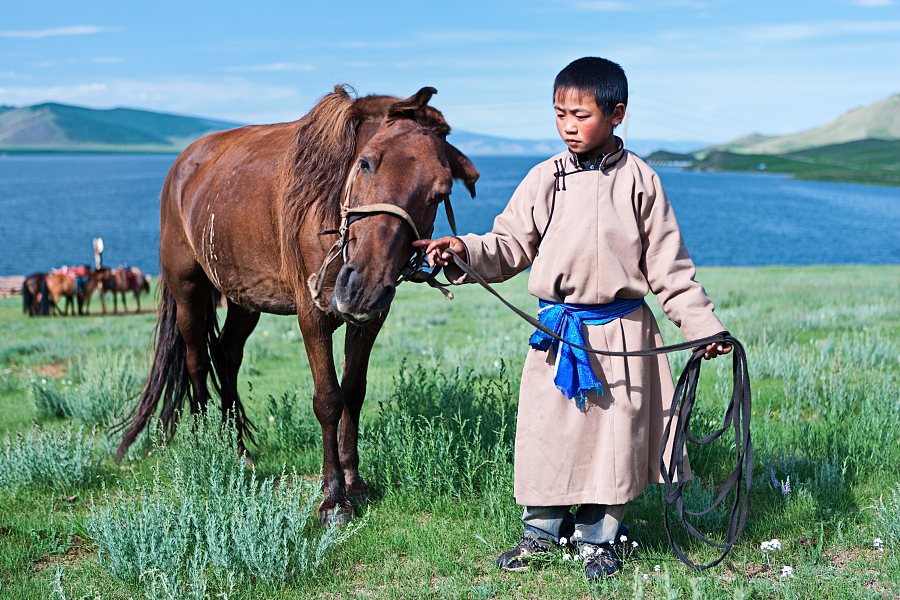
[[412, 270]]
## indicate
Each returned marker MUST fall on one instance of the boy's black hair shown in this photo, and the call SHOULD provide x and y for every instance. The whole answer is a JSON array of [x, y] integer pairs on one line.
[[603, 78]]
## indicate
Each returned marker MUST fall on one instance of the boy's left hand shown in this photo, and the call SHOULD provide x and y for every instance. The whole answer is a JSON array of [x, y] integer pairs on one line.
[[715, 349]]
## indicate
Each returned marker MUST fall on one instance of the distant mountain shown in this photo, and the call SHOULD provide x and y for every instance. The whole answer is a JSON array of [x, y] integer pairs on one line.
[[60, 128], [476, 144], [880, 120]]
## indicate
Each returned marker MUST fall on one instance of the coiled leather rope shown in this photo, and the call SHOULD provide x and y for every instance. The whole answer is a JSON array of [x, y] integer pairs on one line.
[[737, 417]]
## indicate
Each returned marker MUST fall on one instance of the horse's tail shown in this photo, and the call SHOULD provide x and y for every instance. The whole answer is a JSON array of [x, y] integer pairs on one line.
[[145, 287], [169, 378], [27, 299], [45, 298]]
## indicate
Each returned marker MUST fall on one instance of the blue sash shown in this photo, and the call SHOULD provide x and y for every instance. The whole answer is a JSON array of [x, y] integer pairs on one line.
[[574, 376]]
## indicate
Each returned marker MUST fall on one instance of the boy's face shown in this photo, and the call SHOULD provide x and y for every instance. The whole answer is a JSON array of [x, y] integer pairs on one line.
[[583, 126]]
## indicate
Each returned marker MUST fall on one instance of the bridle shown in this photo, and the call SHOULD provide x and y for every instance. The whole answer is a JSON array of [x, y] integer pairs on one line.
[[412, 271]]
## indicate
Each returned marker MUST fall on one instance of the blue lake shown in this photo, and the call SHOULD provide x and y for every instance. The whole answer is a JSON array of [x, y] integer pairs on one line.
[[52, 206]]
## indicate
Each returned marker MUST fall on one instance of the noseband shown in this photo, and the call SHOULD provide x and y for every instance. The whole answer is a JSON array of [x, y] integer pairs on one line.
[[412, 271]]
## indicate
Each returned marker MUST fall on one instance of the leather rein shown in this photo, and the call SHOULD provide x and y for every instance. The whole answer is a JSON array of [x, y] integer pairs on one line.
[[737, 414], [411, 271], [737, 417]]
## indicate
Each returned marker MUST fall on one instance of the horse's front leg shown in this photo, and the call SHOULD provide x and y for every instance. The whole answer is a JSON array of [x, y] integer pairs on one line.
[[357, 349], [328, 404]]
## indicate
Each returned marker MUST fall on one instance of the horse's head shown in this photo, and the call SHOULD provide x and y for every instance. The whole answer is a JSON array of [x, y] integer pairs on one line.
[[407, 162]]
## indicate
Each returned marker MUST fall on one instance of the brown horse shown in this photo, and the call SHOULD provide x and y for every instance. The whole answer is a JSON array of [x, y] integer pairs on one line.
[[35, 300], [121, 280], [61, 285], [243, 212]]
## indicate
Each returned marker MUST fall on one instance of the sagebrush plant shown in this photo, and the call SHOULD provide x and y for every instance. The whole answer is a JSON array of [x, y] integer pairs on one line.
[[441, 433], [61, 458], [205, 520], [97, 391]]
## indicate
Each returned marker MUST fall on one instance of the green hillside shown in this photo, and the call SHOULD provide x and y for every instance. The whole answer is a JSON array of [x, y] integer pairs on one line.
[[60, 128], [866, 161], [880, 120]]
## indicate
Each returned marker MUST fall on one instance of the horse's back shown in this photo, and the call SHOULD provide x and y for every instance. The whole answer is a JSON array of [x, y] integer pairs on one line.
[[218, 202]]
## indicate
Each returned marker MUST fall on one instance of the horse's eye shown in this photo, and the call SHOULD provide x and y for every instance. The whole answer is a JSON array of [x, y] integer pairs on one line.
[[364, 165]]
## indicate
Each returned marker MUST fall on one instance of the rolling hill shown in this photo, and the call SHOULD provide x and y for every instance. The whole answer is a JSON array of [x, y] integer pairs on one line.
[[61, 128], [869, 161], [880, 120]]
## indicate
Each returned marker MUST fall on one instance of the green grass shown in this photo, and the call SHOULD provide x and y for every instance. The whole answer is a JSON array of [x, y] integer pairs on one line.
[[437, 451]]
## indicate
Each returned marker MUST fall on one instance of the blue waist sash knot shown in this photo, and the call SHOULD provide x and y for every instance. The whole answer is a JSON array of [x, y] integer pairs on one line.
[[574, 376]]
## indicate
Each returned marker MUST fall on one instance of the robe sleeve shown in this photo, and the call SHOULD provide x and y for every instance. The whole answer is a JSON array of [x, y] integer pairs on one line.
[[511, 245], [669, 269]]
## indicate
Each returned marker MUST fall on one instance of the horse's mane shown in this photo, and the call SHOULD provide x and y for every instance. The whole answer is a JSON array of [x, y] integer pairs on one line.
[[312, 172]]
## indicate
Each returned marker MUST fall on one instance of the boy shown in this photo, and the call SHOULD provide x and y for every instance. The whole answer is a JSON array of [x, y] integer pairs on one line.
[[598, 232]]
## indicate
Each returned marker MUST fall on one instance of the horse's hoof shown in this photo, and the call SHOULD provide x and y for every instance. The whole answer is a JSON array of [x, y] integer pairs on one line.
[[338, 516]]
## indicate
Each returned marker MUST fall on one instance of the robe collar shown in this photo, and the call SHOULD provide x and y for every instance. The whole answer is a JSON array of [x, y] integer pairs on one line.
[[603, 162]]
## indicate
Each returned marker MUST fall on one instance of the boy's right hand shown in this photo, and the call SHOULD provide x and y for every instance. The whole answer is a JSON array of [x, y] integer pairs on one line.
[[436, 250]]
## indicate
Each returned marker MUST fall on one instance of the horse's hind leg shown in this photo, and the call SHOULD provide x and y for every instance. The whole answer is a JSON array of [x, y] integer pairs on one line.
[[239, 324], [357, 349], [191, 300]]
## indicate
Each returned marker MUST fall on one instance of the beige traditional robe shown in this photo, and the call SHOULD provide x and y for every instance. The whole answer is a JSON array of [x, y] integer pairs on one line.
[[613, 235]]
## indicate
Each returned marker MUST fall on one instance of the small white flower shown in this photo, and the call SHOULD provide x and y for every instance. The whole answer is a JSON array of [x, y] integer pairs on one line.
[[271, 418], [623, 539], [787, 571], [634, 544], [656, 568], [567, 556], [879, 544], [563, 541], [576, 535], [646, 577], [43, 381], [771, 545], [496, 363]]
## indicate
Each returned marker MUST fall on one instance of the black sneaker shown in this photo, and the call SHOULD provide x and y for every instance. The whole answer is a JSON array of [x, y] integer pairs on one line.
[[516, 559], [599, 561]]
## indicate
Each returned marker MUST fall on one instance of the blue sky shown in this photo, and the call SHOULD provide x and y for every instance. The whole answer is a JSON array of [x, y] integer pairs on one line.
[[698, 70]]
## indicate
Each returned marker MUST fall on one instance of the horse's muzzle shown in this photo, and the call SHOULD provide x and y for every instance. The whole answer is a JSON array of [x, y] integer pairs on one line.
[[357, 300]]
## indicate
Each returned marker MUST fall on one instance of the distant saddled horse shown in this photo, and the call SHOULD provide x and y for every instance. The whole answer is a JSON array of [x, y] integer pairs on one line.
[[121, 280], [62, 285], [253, 212]]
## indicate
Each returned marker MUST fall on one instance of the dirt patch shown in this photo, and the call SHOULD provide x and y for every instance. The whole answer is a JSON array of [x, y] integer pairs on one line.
[[757, 570], [56, 369], [79, 548]]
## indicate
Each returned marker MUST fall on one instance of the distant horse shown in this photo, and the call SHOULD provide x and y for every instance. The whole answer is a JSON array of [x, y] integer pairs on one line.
[[34, 302], [61, 285], [253, 213], [64, 284], [121, 280]]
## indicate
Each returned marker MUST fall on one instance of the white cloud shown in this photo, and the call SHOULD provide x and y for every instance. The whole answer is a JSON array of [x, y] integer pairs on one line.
[[604, 5], [269, 67], [42, 33], [107, 59], [214, 98], [805, 31], [361, 44], [874, 3]]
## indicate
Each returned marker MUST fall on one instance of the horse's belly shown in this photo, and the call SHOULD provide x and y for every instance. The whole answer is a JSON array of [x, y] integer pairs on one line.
[[262, 297]]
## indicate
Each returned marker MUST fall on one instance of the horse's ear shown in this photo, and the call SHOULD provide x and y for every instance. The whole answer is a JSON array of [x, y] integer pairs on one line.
[[416, 101], [461, 167]]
